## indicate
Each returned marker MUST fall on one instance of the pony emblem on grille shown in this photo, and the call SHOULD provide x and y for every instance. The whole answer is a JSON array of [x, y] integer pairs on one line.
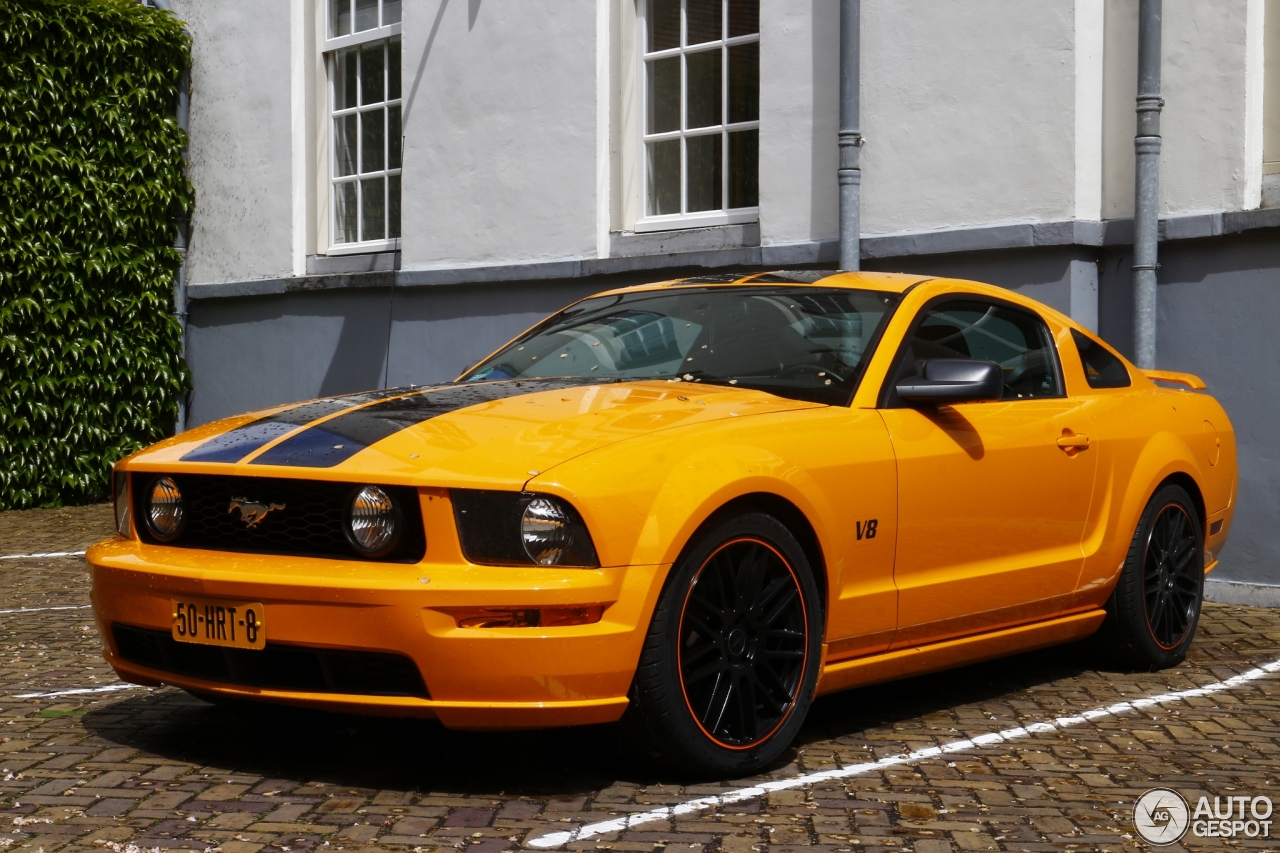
[[252, 512]]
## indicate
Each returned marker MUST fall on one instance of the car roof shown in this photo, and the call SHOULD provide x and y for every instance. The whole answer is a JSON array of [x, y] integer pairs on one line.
[[886, 281]]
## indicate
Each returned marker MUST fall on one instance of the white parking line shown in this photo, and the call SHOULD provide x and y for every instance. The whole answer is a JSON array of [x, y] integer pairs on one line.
[[52, 607], [106, 688], [40, 556], [591, 830]]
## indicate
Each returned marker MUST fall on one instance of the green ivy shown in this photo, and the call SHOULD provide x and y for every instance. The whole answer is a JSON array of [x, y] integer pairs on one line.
[[91, 184]]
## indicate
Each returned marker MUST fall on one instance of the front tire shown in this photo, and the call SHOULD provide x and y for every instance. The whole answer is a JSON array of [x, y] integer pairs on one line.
[[731, 660], [1154, 610]]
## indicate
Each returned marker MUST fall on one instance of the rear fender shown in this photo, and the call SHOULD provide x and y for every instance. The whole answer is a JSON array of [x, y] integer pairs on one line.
[[1164, 455]]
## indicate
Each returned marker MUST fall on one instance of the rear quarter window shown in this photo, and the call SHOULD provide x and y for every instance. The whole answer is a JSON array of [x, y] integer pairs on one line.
[[1102, 367]]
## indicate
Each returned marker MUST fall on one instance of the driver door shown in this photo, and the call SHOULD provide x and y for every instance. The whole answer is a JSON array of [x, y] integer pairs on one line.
[[992, 497]]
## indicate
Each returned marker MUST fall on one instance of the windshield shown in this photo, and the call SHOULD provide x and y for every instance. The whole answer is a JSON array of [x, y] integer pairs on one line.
[[810, 343]]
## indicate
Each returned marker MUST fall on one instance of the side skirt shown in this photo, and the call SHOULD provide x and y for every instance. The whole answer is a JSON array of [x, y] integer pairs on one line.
[[919, 660]]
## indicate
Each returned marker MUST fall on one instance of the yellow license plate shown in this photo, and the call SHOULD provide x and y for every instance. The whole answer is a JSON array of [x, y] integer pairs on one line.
[[238, 624]]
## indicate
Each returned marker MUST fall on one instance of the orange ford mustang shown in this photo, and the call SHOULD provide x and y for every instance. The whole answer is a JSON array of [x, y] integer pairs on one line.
[[689, 506]]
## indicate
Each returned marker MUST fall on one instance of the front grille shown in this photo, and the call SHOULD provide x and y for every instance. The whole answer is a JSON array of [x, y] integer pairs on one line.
[[310, 523], [277, 667]]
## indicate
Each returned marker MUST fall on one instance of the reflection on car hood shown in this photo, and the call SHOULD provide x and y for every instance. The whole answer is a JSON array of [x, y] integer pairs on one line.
[[457, 434]]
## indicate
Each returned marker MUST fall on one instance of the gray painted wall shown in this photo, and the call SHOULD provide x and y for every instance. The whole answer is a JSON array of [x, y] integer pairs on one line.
[[1218, 303]]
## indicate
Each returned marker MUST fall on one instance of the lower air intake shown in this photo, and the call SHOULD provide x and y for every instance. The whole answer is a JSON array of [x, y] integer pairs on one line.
[[277, 667]]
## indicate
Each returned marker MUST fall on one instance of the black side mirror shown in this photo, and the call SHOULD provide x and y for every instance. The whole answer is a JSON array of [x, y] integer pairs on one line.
[[954, 380]]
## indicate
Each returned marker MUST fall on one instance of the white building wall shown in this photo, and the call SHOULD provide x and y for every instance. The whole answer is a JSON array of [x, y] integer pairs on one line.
[[240, 158], [799, 117], [1203, 165], [968, 109], [975, 112], [500, 131]]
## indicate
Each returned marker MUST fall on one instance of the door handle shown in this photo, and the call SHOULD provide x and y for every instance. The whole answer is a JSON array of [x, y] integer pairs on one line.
[[1073, 444]]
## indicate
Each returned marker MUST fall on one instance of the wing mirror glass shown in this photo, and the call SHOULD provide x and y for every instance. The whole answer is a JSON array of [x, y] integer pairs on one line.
[[954, 380]]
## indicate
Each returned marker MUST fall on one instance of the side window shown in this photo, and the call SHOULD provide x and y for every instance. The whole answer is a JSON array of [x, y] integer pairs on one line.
[[1015, 339], [1102, 369]]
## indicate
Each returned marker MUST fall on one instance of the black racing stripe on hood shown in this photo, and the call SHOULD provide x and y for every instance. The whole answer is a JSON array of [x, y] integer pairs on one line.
[[337, 440], [236, 444]]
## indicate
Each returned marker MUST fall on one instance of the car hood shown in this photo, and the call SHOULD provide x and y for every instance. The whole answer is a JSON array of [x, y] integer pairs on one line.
[[478, 434]]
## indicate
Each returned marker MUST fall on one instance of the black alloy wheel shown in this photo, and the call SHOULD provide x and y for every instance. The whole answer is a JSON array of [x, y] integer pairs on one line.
[[731, 659], [1154, 609], [1171, 576], [742, 643]]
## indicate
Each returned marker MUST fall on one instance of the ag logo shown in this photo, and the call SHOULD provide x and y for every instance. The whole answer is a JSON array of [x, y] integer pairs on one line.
[[1161, 816], [252, 512]]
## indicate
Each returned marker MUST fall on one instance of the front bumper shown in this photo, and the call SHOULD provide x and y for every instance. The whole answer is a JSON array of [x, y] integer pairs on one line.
[[477, 678]]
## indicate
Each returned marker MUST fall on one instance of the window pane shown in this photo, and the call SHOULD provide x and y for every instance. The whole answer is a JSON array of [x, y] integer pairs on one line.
[[664, 177], [373, 209], [809, 343], [744, 17], [344, 79], [390, 12], [1101, 367], [344, 209], [664, 24], [344, 145], [702, 17], [744, 82], [371, 63], [1016, 340], [366, 15], [394, 140], [393, 204], [393, 69], [373, 145], [705, 158], [744, 168], [704, 88], [664, 95], [339, 18]]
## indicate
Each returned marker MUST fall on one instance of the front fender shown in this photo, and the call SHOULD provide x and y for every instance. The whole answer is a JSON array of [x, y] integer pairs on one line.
[[644, 498]]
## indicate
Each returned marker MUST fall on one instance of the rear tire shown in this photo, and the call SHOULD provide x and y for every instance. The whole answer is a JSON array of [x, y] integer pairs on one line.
[[731, 659], [1154, 610]]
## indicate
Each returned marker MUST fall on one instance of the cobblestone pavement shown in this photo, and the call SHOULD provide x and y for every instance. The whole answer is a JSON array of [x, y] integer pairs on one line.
[[156, 770]]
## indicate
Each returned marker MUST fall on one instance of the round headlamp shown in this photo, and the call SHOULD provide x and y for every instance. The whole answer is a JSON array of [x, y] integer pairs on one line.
[[373, 522], [164, 510], [544, 531]]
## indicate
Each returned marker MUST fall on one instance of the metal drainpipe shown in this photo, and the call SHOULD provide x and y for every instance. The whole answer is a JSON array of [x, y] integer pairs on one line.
[[183, 113], [1146, 207], [850, 138]]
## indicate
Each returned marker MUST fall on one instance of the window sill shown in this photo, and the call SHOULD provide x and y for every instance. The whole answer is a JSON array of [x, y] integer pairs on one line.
[[363, 248], [680, 221], [346, 264]]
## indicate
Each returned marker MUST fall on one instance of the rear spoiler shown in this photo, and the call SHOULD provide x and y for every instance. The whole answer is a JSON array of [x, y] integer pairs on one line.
[[1195, 383]]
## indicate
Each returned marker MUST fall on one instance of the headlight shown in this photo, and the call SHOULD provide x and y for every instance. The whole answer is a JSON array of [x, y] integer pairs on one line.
[[521, 529], [373, 522], [165, 512], [120, 501], [544, 531]]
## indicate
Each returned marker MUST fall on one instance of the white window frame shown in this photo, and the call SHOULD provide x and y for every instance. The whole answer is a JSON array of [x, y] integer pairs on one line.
[[329, 48], [705, 218]]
